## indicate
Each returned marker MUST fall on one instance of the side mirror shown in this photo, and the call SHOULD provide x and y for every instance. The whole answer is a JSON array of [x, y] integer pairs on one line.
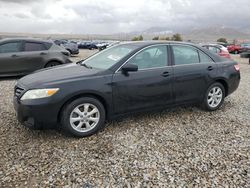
[[129, 68]]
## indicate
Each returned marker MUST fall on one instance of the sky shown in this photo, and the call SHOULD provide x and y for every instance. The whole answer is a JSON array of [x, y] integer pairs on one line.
[[119, 16]]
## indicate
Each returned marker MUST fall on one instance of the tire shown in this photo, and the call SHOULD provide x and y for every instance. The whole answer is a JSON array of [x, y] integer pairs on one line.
[[214, 97], [76, 117], [52, 64]]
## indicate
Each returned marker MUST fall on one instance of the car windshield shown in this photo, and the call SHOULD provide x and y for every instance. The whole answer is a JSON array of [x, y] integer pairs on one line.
[[109, 57]]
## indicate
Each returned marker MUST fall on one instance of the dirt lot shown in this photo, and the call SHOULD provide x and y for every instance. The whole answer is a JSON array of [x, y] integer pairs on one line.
[[183, 147]]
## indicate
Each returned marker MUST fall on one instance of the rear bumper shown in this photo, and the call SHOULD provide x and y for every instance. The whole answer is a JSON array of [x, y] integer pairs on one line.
[[233, 83], [36, 115]]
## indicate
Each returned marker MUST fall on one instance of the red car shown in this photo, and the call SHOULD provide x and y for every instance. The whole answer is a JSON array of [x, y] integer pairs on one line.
[[234, 48], [218, 49]]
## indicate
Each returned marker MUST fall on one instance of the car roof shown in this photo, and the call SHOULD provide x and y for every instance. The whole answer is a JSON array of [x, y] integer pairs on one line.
[[142, 44], [25, 39]]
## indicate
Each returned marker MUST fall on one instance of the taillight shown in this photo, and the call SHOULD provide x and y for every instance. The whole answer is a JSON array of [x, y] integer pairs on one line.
[[237, 67]]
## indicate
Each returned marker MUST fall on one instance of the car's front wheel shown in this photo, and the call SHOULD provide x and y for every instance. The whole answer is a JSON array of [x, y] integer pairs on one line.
[[83, 117], [214, 97]]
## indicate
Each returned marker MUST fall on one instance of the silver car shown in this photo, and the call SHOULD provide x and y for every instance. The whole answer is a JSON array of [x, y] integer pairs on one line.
[[20, 56], [71, 47]]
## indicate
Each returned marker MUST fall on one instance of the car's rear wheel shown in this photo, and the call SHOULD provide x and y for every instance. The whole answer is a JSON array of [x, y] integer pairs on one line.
[[52, 64], [214, 97], [83, 117]]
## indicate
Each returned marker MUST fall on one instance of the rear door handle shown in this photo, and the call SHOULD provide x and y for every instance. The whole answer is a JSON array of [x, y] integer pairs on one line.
[[165, 74], [210, 68]]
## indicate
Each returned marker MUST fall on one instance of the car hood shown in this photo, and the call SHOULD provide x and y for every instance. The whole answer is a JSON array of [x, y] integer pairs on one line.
[[56, 75]]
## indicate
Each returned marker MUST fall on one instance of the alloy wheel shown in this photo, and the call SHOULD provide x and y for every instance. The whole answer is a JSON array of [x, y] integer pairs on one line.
[[84, 117], [215, 96]]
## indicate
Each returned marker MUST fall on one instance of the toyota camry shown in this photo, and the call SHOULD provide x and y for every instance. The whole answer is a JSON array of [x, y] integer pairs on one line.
[[124, 79]]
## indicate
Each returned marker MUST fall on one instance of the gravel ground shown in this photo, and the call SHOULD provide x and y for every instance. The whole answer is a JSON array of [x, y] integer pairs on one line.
[[184, 147]]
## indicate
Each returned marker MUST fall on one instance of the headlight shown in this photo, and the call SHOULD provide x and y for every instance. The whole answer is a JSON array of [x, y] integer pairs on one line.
[[39, 93]]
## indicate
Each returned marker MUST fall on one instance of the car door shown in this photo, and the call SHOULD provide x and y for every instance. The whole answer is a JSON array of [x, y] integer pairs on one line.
[[150, 86], [193, 70], [10, 57], [34, 56]]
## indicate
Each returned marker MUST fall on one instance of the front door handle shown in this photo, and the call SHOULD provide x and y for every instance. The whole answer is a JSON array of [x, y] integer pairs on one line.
[[165, 74], [210, 68]]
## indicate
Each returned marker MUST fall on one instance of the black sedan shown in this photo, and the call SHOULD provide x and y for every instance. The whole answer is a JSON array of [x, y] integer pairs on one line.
[[121, 80]]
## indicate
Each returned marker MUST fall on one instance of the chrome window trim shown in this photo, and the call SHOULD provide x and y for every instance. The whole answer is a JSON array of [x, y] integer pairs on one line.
[[153, 68], [118, 70], [168, 44]]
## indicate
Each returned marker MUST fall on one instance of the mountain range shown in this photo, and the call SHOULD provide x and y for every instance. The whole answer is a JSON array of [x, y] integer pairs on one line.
[[210, 33]]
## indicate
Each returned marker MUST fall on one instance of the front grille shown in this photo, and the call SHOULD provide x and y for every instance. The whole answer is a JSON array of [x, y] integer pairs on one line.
[[18, 91]]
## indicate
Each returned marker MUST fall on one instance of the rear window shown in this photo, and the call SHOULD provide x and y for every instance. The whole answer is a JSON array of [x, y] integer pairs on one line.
[[205, 58], [47, 45], [34, 46]]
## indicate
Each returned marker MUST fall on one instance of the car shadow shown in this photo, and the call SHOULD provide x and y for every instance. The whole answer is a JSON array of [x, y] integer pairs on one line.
[[10, 78]]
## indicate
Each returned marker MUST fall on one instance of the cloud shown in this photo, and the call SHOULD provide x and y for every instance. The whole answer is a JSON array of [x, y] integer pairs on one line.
[[21, 15], [105, 17], [23, 1]]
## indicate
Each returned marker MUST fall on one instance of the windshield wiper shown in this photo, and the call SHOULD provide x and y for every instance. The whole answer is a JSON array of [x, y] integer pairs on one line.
[[87, 66]]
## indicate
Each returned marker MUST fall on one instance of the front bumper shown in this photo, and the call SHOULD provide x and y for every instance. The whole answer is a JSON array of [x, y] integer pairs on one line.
[[36, 114], [234, 82]]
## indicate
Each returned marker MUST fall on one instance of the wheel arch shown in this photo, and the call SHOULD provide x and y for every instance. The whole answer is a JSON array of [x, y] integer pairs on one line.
[[53, 60], [92, 95], [224, 83]]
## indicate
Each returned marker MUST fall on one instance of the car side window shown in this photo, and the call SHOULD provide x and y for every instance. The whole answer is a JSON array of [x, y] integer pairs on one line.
[[10, 47], [205, 58], [33, 46], [152, 57], [185, 55]]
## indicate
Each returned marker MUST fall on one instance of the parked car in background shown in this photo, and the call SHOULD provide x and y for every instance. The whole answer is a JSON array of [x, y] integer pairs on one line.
[[102, 45], [20, 56], [126, 78], [68, 45], [233, 48], [222, 44], [87, 45], [218, 49], [244, 47], [246, 55]]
